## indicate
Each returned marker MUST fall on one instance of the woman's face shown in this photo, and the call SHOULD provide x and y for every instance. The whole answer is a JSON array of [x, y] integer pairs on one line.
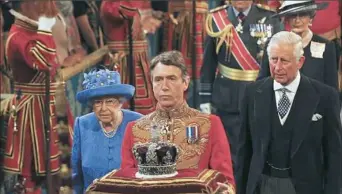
[[106, 108], [299, 23]]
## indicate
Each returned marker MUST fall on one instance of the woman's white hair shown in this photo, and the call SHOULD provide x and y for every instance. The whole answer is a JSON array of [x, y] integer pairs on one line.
[[287, 38]]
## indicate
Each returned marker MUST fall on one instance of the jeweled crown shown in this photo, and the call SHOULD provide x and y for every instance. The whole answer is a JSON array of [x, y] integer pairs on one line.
[[156, 158]]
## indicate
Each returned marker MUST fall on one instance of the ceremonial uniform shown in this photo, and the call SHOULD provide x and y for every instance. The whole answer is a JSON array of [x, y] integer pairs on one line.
[[114, 15], [179, 36], [206, 152], [234, 47], [30, 52]]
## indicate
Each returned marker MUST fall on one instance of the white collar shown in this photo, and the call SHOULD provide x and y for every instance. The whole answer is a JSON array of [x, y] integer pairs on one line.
[[292, 87]]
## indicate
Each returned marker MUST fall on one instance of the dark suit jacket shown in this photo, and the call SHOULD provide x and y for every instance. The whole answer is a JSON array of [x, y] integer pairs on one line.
[[316, 145], [323, 69]]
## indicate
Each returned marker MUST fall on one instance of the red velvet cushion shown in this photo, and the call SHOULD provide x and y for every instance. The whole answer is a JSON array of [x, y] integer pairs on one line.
[[187, 181]]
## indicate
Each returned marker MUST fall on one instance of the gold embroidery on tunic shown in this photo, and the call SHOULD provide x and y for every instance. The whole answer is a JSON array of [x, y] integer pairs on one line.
[[179, 119]]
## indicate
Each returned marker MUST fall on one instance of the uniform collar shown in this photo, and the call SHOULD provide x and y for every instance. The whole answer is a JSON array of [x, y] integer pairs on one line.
[[23, 21], [174, 113], [236, 12]]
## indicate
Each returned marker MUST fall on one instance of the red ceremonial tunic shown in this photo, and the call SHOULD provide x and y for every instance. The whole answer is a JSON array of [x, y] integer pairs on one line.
[[179, 36], [115, 26], [210, 151], [30, 52]]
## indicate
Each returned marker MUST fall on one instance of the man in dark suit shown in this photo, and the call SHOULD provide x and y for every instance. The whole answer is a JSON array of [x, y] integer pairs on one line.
[[290, 138], [234, 46]]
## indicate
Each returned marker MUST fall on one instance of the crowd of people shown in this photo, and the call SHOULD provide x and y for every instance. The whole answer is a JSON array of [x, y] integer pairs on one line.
[[259, 82]]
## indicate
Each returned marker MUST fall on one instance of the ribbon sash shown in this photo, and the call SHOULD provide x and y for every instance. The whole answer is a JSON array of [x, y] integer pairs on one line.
[[238, 48]]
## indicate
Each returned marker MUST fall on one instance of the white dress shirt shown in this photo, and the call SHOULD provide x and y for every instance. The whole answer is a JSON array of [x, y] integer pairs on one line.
[[236, 12], [291, 92]]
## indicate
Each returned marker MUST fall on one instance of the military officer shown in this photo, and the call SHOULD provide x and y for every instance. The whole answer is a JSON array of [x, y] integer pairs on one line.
[[237, 34]]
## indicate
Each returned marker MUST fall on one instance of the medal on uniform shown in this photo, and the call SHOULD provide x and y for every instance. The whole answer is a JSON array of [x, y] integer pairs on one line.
[[239, 27], [192, 134], [252, 30], [269, 31]]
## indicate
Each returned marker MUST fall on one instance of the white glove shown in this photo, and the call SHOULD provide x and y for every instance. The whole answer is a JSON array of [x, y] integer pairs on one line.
[[205, 108], [46, 24]]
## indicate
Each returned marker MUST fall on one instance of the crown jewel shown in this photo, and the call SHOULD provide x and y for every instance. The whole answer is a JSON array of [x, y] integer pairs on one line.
[[156, 159]]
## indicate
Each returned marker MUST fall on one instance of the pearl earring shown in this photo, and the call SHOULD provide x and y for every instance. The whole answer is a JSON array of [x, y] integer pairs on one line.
[[310, 24]]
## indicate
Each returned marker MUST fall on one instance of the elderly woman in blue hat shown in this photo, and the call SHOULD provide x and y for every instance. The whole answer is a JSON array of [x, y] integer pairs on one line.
[[98, 135]]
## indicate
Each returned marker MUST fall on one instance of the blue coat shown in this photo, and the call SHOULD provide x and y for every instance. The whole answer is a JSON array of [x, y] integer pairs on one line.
[[94, 154]]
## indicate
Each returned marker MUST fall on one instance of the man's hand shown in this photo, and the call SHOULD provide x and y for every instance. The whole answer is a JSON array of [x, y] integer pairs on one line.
[[73, 59], [206, 108], [150, 20], [158, 15], [150, 24], [76, 57]]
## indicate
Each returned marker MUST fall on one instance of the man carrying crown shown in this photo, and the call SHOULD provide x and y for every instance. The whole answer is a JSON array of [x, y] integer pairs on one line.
[[200, 137], [234, 47], [31, 52]]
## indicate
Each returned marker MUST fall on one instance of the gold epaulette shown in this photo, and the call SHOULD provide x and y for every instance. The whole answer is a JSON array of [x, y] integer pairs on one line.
[[218, 8], [266, 7]]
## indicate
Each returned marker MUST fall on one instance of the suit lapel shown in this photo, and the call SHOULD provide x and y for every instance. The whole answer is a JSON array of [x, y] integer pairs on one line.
[[262, 111], [305, 103]]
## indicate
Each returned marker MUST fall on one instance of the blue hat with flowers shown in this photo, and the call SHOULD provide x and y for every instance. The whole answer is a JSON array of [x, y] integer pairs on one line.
[[103, 83]]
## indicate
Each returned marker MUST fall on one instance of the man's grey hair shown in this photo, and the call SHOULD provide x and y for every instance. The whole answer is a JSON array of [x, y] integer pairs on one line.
[[287, 38], [172, 58]]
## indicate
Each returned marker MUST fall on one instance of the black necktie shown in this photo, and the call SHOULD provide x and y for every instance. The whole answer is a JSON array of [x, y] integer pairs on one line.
[[241, 16], [284, 103]]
